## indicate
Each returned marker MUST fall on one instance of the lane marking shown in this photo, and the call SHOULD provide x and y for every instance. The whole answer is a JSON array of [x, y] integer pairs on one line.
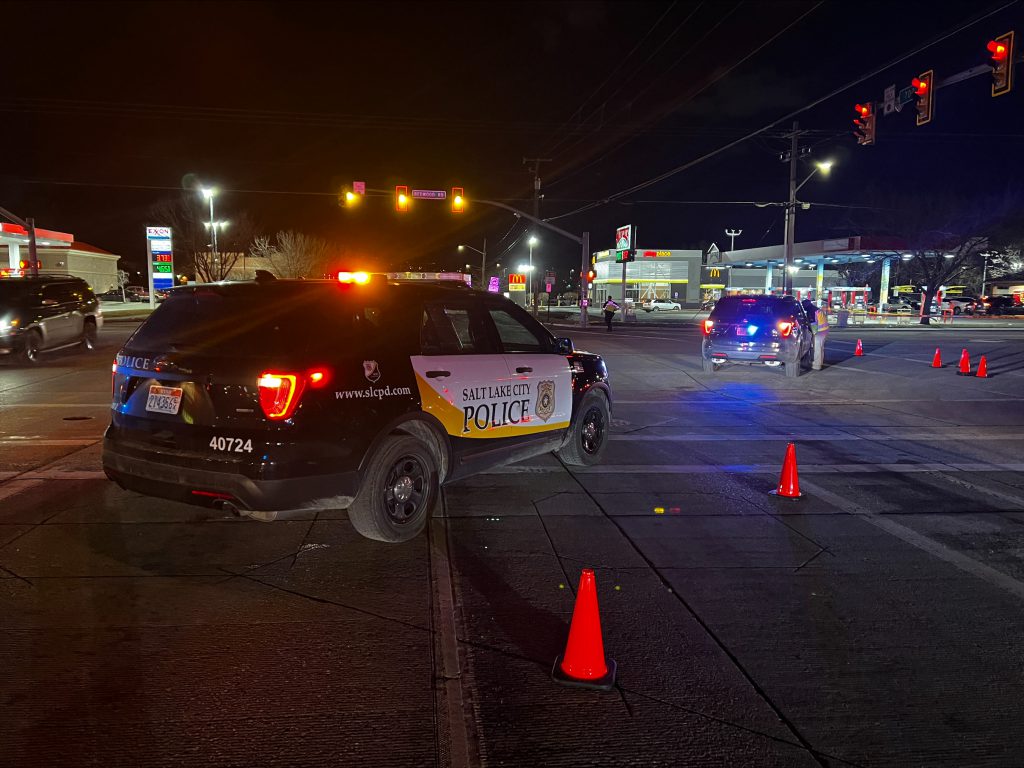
[[741, 404], [4, 441], [54, 405], [768, 469], [926, 544], [840, 437]]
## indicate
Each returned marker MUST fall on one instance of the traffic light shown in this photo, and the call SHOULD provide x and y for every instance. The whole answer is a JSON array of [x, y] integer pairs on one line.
[[590, 277], [28, 264], [458, 200], [402, 199], [865, 124], [1001, 61], [923, 86]]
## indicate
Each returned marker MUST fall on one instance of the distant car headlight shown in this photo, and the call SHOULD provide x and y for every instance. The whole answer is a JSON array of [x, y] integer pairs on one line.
[[8, 325]]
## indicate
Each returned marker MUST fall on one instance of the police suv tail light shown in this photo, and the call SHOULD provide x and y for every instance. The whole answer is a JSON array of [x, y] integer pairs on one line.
[[280, 393], [785, 328], [708, 325]]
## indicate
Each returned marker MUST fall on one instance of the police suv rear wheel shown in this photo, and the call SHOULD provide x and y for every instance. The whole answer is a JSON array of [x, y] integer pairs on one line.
[[398, 492], [588, 435]]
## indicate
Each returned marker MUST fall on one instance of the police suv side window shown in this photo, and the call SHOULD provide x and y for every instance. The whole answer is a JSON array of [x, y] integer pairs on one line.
[[516, 336], [453, 329]]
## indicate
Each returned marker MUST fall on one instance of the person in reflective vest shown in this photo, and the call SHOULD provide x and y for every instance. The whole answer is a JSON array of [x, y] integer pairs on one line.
[[820, 335], [610, 308]]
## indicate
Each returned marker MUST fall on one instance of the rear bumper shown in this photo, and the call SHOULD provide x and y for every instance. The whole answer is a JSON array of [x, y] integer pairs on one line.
[[205, 487], [750, 353]]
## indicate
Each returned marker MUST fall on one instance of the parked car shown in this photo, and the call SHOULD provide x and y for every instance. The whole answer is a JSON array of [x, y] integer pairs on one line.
[[657, 305], [113, 295], [758, 330], [48, 312], [960, 305], [1001, 305]]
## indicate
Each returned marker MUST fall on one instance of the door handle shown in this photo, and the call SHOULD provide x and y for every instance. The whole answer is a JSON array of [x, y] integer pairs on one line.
[[524, 369], [438, 374]]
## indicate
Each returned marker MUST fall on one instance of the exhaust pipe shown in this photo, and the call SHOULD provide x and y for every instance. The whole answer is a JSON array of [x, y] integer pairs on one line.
[[224, 505]]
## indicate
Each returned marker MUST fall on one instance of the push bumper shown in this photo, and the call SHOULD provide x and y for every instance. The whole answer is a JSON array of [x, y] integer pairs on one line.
[[205, 487]]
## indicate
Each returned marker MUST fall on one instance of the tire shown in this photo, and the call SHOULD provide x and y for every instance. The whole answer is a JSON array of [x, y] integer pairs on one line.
[[89, 336], [794, 369], [708, 365], [29, 354], [956, 310], [588, 435], [398, 492]]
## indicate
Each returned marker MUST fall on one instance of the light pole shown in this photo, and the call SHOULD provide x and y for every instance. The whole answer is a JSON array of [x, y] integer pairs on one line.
[[208, 194], [483, 262], [213, 227], [533, 299], [825, 167], [984, 272], [732, 234]]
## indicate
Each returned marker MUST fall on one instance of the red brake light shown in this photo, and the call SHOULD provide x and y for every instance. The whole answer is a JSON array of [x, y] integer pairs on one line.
[[785, 328], [708, 325], [279, 394]]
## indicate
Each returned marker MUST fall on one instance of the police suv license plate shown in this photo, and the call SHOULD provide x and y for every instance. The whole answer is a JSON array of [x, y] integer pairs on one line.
[[164, 399]]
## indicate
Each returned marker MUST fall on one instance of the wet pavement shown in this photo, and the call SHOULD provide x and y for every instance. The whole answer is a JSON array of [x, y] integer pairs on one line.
[[875, 622]]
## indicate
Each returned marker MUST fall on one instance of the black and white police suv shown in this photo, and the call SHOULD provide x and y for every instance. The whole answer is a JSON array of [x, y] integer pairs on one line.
[[268, 396]]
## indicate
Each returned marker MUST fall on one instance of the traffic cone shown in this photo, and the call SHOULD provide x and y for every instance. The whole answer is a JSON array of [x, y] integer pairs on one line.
[[982, 368], [859, 351], [789, 483], [965, 364], [937, 360], [584, 664]]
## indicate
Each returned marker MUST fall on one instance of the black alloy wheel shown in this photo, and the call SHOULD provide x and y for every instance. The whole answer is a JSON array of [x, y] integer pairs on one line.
[[405, 490], [89, 336], [592, 430], [30, 347]]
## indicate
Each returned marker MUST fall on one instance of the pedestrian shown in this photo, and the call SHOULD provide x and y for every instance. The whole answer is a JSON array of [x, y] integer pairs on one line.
[[820, 335], [610, 308]]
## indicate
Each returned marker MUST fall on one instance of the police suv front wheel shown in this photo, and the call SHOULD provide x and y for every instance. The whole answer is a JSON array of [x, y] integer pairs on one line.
[[398, 491], [588, 434]]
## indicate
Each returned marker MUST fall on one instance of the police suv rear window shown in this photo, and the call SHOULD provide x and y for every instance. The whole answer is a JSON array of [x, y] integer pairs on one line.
[[735, 308], [255, 321]]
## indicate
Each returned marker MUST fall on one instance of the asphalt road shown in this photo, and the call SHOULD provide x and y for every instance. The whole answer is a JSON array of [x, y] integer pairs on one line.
[[875, 622]]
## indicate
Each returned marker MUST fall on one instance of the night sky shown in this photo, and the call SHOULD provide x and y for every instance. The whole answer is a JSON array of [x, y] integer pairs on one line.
[[281, 105]]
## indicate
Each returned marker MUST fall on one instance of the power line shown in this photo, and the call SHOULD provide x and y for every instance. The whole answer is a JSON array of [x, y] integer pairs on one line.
[[622, 63], [690, 97], [794, 113]]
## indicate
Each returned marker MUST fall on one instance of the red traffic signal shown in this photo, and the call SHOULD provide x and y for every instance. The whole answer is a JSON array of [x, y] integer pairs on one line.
[[923, 86], [864, 124], [458, 200], [28, 264], [1001, 61], [590, 276], [402, 199]]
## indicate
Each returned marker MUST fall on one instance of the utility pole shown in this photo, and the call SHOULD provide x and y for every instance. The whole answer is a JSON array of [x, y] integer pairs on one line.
[[790, 229], [535, 170], [483, 267]]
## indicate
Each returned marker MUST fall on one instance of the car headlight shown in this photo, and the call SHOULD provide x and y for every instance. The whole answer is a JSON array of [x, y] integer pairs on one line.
[[7, 325]]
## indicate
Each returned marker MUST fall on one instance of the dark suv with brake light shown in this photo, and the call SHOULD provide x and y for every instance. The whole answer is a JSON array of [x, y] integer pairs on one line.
[[758, 330], [277, 395]]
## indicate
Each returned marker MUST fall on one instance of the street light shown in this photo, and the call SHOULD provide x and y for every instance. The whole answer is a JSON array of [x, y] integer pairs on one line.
[[208, 194], [483, 261], [822, 166]]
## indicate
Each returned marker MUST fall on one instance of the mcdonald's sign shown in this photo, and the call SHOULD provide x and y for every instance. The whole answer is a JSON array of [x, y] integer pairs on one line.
[[516, 281], [714, 277]]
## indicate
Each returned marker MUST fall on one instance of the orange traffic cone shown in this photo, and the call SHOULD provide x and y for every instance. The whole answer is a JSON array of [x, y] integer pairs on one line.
[[965, 364], [982, 368], [937, 360], [789, 483], [584, 664], [859, 351]]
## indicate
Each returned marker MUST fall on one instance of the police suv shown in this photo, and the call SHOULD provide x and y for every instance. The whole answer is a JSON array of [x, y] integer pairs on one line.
[[273, 395]]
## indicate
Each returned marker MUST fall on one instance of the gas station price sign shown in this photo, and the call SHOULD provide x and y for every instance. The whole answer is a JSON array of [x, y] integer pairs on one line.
[[161, 258]]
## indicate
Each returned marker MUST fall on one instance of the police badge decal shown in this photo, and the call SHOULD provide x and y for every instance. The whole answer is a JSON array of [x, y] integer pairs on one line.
[[545, 400], [371, 371]]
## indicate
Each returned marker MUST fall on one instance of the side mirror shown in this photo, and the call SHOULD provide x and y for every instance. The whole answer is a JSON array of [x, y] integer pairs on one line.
[[563, 346]]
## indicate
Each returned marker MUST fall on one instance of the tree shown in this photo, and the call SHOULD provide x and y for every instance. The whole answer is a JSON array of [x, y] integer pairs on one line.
[[944, 234], [293, 254], [123, 276], [191, 240]]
